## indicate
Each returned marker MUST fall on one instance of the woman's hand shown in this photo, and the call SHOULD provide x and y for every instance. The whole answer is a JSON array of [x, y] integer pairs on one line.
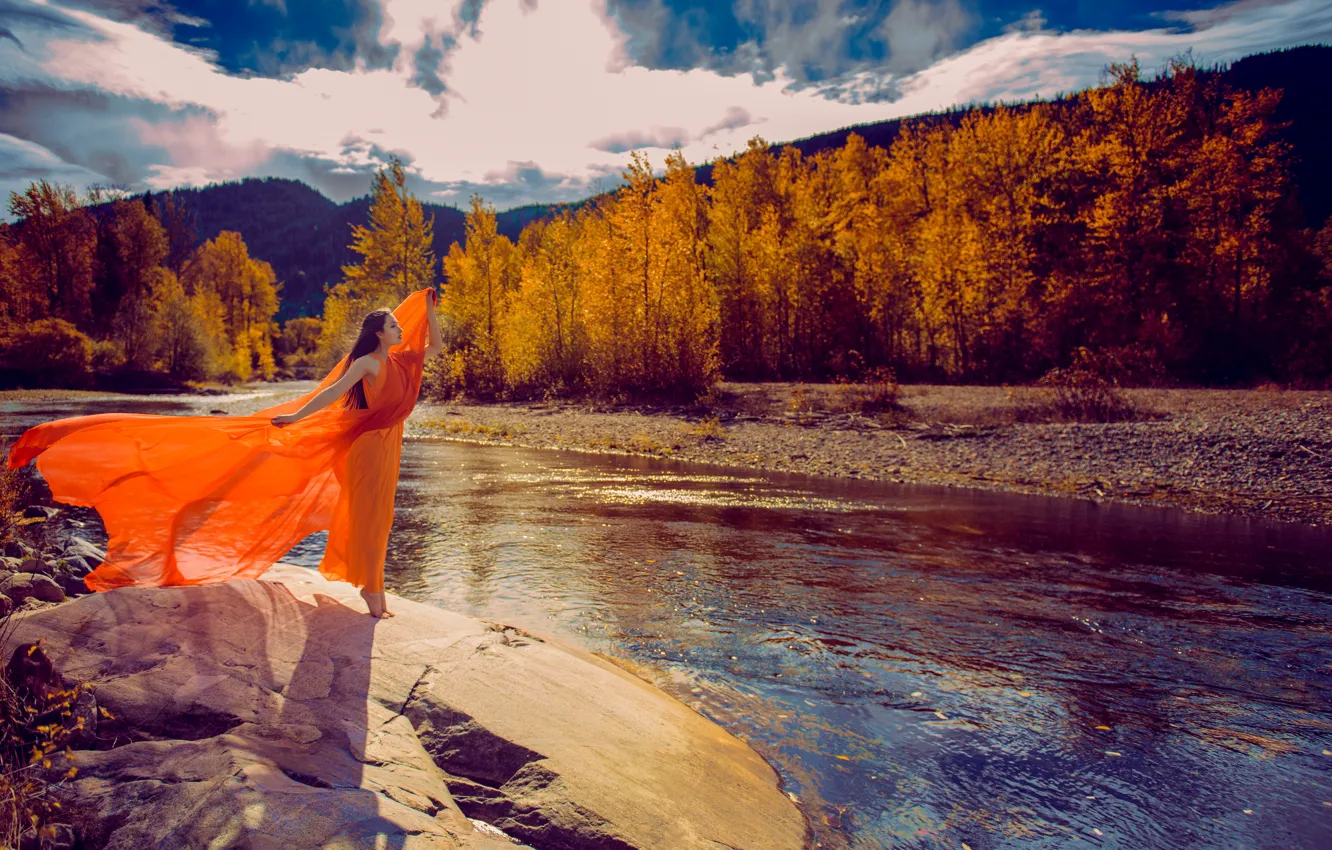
[[285, 419]]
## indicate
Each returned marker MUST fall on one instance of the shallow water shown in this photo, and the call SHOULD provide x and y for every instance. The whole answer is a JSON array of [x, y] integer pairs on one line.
[[923, 666]]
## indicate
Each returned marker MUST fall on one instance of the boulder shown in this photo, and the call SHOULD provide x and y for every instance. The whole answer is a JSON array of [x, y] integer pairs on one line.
[[23, 586], [38, 567], [71, 585], [18, 549], [6, 606], [277, 713], [85, 550], [76, 566], [40, 511]]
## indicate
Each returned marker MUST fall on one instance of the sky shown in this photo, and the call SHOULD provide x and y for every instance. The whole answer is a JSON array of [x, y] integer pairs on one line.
[[539, 101]]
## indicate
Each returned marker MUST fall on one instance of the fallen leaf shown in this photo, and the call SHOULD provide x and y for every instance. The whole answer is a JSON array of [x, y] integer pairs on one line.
[[919, 694], [844, 758], [966, 846], [1104, 728], [1097, 831], [1112, 753], [1327, 752], [940, 715], [1024, 693], [1248, 811]]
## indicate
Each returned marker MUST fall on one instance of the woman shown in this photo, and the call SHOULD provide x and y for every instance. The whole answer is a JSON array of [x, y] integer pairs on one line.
[[202, 499]]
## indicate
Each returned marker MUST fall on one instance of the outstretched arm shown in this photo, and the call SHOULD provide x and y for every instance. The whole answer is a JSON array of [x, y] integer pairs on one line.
[[436, 342], [359, 369]]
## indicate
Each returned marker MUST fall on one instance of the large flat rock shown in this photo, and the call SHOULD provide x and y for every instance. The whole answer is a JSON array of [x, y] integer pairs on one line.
[[276, 713]]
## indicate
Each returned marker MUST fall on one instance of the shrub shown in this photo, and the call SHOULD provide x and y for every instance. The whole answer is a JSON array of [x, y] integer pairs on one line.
[[800, 402], [876, 392], [707, 430], [445, 377], [107, 356], [1076, 395], [38, 720], [13, 494], [47, 353]]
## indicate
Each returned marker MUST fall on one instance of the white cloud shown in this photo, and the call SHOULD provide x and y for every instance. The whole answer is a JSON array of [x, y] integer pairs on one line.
[[920, 31], [551, 85], [22, 163]]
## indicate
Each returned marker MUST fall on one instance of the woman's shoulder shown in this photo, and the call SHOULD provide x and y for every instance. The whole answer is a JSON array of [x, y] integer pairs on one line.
[[368, 363]]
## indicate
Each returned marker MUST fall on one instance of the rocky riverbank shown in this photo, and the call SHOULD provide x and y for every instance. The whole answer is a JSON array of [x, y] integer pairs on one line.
[[1252, 453], [276, 713], [44, 568]]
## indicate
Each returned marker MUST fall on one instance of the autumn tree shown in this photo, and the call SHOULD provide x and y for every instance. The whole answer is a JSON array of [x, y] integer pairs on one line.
[[237, 297], [544, 340], [480, 277], [396, 260], [59, 241]]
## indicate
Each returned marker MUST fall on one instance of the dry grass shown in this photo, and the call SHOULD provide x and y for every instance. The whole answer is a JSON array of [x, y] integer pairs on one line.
[[36, 712], [37, 722], [877, 393], [640, 442], [460, 426], [706, 430]]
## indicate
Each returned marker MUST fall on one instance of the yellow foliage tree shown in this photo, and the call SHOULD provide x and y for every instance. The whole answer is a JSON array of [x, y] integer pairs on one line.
[[238, 297], [397, 258]]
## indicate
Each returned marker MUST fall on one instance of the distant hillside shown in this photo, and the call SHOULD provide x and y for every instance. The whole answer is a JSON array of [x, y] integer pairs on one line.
[[304, 235], [1305, 108]]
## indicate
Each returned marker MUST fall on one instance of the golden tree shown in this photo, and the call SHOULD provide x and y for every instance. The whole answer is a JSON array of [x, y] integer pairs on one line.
[[397, 258], [237, 296]]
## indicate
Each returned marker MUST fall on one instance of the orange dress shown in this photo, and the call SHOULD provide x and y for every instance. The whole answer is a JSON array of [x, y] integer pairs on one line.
[[367, 481], [201, 499]]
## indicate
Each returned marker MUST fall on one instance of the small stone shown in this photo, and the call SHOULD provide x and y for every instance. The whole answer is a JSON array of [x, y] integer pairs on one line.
[[65, 838], [21, 587]]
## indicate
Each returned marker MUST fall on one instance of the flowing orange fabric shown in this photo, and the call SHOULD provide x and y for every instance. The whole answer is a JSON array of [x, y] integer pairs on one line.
[[202, 499]]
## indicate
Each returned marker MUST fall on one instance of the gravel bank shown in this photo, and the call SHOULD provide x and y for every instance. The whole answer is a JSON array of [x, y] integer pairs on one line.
[[1238, 452]]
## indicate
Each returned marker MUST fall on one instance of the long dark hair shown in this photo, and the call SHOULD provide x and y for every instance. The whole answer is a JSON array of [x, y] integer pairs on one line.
[[366, 341]]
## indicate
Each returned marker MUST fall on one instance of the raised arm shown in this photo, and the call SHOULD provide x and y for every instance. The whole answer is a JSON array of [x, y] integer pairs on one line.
[[361, 367], [435, 344]]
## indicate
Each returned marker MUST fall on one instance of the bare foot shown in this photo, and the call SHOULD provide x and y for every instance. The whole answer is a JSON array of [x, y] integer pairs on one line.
[[375, 602]]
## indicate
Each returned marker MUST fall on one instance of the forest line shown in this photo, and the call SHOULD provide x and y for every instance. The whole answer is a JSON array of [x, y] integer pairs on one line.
[[1146, 230]]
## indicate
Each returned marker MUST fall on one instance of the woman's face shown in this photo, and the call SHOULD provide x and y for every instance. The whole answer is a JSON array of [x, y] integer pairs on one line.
[[391, 333]]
